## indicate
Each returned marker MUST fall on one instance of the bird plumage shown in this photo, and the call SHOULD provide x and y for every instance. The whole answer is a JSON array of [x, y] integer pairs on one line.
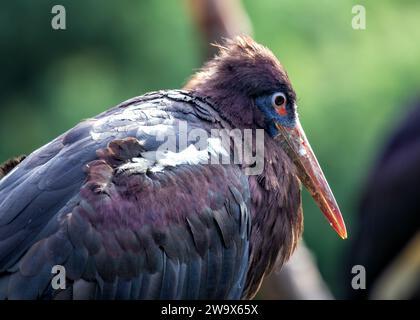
[[127, 225], [8, 165]]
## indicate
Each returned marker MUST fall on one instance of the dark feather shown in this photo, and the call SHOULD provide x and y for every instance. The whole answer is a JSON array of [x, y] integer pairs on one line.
[[8, 165], [123, 230]]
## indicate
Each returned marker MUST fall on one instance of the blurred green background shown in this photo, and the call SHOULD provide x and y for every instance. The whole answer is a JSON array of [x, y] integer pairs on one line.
[[352, 85]]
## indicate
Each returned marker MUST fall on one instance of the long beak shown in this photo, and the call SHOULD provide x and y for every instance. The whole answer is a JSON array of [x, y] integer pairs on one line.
[[299, 150]]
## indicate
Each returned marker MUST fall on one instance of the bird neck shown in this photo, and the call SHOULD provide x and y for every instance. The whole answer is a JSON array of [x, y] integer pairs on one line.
[[276, 215], [234, 108]]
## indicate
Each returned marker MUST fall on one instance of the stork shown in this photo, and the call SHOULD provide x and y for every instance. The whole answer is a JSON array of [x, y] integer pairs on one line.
[[128, 220]]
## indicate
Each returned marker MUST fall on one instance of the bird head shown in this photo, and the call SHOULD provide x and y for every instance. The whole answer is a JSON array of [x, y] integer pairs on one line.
[[250, 88]]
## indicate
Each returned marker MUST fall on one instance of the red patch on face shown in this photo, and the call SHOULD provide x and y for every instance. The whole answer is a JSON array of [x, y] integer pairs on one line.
[[282, 111]]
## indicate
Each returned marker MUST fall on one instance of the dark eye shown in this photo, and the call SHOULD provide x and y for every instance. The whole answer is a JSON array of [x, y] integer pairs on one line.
[[278, 100]]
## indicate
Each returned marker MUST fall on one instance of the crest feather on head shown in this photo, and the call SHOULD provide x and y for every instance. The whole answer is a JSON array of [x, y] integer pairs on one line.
[[241, 71]]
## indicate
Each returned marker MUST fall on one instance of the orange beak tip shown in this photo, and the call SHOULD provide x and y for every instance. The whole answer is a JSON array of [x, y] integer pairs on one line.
[[296, 145], [341, 230]]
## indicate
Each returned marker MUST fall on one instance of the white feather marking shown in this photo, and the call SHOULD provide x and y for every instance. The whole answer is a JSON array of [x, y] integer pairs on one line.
[[156, 161], [215, 148]]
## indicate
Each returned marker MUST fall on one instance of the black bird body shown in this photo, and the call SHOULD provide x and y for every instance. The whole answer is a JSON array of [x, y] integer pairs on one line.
[[128, 221], [389, 205], [181, 233]]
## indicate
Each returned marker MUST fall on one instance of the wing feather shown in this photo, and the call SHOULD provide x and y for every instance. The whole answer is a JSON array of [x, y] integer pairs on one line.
[[120, 229]]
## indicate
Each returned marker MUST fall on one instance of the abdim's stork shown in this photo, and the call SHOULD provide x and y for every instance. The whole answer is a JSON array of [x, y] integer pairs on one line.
[[127, 220]]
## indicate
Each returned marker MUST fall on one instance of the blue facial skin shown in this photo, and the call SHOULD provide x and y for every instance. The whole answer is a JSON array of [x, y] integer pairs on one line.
[[264, 103]]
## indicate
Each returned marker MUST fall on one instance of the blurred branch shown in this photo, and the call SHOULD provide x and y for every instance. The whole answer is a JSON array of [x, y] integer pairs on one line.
[[218, 19], [298, 279], [402, 278]]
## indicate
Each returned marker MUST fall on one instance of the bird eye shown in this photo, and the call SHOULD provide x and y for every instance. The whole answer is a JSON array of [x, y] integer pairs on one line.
[[279, 103], [279, 99]]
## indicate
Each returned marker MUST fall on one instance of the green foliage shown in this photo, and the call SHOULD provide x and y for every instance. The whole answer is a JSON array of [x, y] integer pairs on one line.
[[352, 85]]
